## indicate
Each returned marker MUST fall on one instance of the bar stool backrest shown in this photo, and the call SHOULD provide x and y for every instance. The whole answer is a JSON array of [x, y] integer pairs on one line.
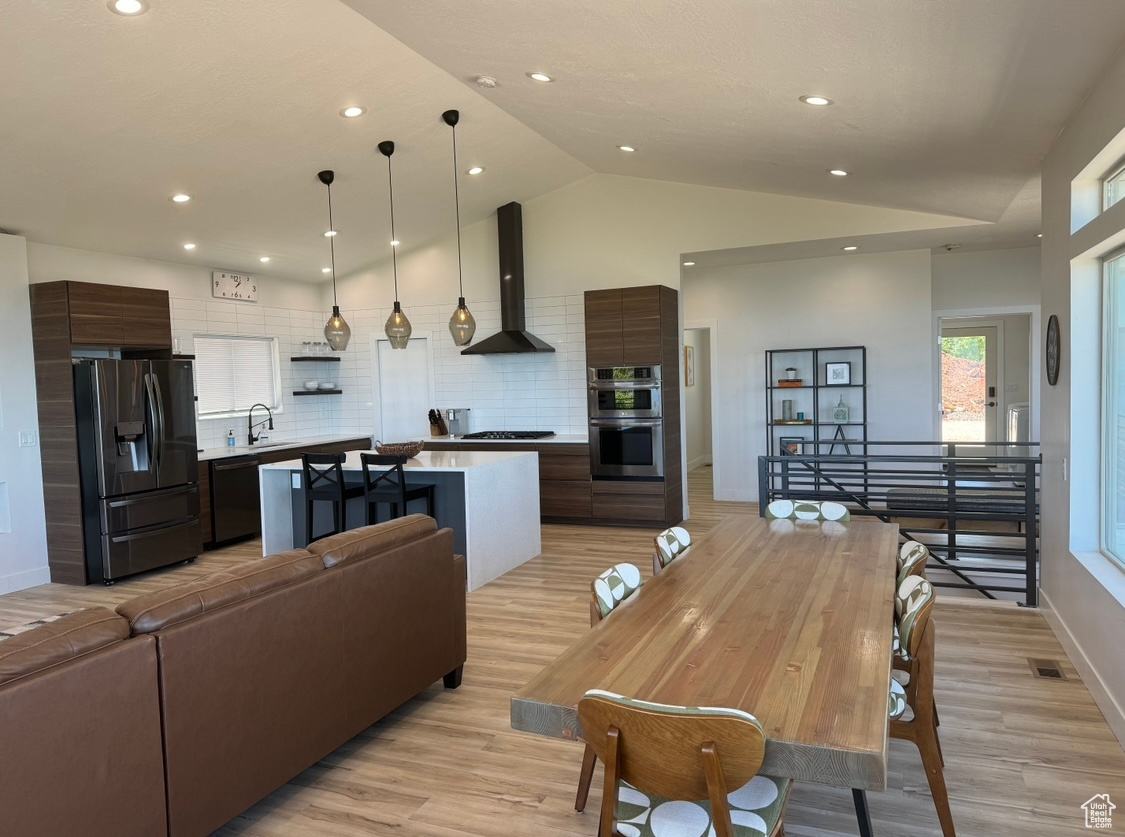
[[324, 475], [378, 468]]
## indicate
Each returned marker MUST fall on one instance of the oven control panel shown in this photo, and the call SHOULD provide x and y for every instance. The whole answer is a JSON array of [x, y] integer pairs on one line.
[[639, 374]]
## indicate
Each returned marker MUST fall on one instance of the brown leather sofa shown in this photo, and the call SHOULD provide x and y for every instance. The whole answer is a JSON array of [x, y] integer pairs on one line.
[[80, 744], [192, 703]]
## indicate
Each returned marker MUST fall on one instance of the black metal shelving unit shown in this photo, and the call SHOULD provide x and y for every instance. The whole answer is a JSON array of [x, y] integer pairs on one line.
[[817, 399]]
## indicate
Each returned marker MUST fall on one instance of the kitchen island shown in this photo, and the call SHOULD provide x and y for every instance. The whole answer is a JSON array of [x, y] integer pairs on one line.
[[490, 499]]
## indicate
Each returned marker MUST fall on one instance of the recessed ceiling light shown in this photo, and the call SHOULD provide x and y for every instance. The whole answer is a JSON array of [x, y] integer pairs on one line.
[[850, 247], [838, 172], [628, 148], [128, 8], [180, 198], [395, 242], [689, 264], [326, 270], [1039, 235], [189, 246], [330, 233], [539, 77], [264, 259], [476, 170], [816, 101], [352, 112]]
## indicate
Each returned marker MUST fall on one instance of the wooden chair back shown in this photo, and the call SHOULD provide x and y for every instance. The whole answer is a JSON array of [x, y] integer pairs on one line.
[[675, 752], [670, 544], [914, 602], [611, 588], [809, 510], [912, 559]]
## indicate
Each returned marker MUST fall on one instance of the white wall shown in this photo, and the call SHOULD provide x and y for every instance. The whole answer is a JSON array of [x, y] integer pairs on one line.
[[986, 279], [23, 534], [1083, 591], [697, 400], [881, 301]]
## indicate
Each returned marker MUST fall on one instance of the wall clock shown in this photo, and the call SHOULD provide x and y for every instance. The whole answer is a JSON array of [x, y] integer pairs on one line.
[[1053, 350], [234, 286]]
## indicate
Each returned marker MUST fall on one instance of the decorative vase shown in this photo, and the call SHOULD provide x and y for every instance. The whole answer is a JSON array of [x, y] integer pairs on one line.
[[787, 410], [790, 374], [840, 413]]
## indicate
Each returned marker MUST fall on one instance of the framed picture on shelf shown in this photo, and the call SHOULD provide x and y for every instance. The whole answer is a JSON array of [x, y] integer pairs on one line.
[[838, 373], [794, 445]]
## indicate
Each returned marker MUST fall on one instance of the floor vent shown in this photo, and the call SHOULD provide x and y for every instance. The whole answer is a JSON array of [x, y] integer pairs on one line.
[[1046, 669]]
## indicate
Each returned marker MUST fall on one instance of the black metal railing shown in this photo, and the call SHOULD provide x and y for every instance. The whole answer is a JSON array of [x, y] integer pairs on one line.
[[975, 505]]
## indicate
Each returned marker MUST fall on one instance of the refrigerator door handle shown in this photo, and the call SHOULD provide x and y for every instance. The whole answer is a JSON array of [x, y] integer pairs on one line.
[[153, 421], [160, 440]]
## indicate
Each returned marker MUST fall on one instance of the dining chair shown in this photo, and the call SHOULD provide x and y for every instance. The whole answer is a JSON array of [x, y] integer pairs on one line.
[[670, 544], [914, 602], [810, 510], [384, 481], [609, 590], [675, 771], [324, 482], [912, 558]]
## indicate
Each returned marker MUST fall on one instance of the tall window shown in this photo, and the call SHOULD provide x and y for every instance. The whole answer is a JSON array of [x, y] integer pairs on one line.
[[1114, 188], [234, 373], [1113, 405]]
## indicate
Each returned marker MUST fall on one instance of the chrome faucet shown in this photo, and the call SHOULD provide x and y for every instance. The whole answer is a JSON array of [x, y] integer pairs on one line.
[[250, 437]]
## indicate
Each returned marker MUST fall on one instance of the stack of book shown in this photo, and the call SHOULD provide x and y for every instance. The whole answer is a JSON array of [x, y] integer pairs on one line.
[[795, 382]]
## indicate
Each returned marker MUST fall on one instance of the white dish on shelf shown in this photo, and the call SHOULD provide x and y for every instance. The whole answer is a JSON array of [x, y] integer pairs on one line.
[[328, 385], [311, 386]]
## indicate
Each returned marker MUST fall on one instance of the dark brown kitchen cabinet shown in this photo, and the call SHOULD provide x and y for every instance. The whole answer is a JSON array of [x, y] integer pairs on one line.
[[118, 317], [205, 501], [605, 337], [639, 326]]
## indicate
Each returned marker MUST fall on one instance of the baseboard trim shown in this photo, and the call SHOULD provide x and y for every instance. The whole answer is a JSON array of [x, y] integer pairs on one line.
[[23, 580], [698, 462], [1113, 712]]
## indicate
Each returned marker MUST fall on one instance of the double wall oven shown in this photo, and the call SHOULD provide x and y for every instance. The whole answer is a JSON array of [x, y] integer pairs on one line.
[[626, 422]]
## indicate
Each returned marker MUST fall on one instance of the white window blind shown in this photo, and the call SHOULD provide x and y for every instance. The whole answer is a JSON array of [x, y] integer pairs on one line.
[[234, 373]]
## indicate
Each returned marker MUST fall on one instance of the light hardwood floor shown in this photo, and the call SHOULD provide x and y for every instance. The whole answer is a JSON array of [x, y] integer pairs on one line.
[[1022, 754]]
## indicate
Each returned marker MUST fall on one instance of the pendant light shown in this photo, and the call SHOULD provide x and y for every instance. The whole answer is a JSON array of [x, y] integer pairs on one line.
[[461, 325], [398, 327], [336, 331]]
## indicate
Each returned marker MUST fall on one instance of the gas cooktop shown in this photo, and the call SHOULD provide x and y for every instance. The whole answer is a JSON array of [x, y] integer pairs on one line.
[[510, 434]]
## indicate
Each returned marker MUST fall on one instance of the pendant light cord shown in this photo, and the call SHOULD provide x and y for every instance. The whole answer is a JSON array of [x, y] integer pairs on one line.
[[394, 254], [457, 210], [332, 247]]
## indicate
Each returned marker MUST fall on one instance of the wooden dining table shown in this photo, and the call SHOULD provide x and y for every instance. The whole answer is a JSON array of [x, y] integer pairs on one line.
[[787, 620]]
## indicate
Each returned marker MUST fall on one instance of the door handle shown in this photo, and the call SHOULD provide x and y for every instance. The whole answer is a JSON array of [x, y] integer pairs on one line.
[[160, 416], [991, 403], [153, 425]]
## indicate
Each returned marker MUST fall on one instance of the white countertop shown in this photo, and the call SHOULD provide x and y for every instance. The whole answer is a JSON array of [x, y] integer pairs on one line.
[[437, 461], [558, 439], [243, 450]]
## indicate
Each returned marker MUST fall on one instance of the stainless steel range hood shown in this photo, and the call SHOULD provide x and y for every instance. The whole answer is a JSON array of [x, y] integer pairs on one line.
[[514, 336]]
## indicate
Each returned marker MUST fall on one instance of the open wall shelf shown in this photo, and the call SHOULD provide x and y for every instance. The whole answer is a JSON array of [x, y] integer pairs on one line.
[[313, 359], [318, 392], [817, 397]]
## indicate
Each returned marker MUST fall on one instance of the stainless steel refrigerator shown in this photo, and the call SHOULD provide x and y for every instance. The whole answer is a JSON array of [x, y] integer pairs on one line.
[[138, 467]]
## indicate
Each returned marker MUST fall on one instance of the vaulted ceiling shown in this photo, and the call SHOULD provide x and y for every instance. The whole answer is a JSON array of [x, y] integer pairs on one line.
[[943, 107]]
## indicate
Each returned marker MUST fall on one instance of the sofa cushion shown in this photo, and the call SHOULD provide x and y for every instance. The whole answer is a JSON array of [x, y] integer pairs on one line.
[[154, 611], [371, 540], [48, 642]]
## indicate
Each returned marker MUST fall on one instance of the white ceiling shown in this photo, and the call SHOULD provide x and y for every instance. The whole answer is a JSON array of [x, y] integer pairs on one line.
[[102, 118], [942, 106]]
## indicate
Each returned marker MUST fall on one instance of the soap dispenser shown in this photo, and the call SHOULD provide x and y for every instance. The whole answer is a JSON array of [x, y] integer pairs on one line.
[[230, 438]]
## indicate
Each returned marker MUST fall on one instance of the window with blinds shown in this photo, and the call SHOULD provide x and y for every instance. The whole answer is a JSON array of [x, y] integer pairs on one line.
[[234, 373]]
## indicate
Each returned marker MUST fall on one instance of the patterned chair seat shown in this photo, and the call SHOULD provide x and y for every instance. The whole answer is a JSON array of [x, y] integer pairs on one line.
[[671, 544], [755, 809], [912, 560], [811, 510], [897, 707]]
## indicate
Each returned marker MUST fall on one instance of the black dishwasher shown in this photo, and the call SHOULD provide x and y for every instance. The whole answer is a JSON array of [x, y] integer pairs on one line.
[[235, 500]]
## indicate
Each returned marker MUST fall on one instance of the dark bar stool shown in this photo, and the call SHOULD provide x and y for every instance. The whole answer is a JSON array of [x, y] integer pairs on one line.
[[324, 482], [388, 485]]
